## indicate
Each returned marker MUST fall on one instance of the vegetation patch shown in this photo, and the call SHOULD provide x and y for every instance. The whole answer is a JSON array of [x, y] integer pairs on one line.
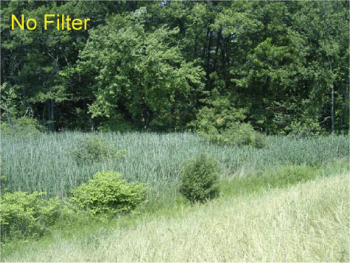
[[308, 222], [200, 178], [222, 123], [107, 192], [24, 128], [26, 215], [152, 158], [279, 177], [238, 134], [94, 149]]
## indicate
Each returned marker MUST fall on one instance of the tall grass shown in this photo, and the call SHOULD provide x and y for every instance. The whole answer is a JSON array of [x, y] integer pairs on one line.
[[305, 223], [46, 163]]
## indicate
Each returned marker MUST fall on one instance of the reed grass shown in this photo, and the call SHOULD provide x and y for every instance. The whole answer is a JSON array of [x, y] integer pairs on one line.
[[46, 163]]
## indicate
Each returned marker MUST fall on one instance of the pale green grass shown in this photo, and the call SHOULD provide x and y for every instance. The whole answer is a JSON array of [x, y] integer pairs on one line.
[[45, 164], [306, 222]]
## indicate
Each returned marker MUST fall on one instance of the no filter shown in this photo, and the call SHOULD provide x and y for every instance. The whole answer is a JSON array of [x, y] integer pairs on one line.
[[61, 22]]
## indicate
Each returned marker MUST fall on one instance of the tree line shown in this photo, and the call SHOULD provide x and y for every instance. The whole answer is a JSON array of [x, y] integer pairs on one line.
[[160, 65]]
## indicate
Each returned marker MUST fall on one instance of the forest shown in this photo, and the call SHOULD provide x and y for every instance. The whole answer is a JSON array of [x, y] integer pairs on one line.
[[167, 65]]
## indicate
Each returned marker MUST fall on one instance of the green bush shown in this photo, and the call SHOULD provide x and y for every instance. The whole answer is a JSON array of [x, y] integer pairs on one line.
[[200, 178], [23, 127], [116, 124], [222, 123], [237, 135], [107, 192], [305, 129], [219, 115], [94, 149], [26, 215]]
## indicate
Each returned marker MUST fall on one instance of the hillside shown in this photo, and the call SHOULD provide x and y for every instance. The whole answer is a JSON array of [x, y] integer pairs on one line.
[[307, 222]]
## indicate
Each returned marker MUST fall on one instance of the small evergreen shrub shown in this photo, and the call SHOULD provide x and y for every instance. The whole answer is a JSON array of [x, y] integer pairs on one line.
[[94, 149], [26, 215], [200, 178], [107, 192]]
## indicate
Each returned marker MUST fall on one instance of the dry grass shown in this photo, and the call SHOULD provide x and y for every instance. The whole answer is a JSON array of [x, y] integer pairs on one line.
[[307, 222]]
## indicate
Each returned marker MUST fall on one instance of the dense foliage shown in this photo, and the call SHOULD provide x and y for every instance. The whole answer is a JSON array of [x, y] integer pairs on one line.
[[23, 127], [281, 66], [94, 149], [107, 192], [200, 179], [222, 124], [26, 215]]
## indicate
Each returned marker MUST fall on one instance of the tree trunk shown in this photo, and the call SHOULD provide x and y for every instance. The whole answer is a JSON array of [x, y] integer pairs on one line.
[[50, 111], [331, 69], [332, 108]]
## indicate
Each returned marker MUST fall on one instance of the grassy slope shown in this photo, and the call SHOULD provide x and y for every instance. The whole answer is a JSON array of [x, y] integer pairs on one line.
[[45, 164], [306, 222]]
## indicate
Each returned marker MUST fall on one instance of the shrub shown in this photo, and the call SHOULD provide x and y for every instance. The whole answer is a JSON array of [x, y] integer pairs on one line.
[[219, 115], [116, 124], [199, 181], [259, 140], [94, 149], [237, 135], [23, 127], [107, 192], [26, 215], [307, 128], [222, 123]]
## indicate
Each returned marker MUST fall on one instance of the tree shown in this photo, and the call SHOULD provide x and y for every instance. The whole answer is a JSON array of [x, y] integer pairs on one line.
[[138, 75], [155, 65]]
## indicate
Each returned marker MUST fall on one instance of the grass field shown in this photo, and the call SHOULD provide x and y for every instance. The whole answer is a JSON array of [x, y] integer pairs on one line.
[[46, 164], [286, 202], [308, 222]]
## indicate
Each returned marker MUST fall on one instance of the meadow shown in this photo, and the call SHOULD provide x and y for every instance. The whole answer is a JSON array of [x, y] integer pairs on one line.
[[46, 163], [307, 222], [285, 202]]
